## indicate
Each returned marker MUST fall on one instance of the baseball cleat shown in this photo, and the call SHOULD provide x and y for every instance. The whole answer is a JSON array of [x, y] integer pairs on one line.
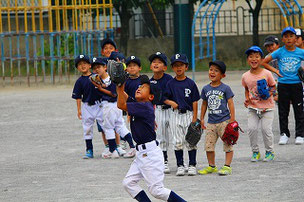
[[88, 155], [130, 154], [299, 140], [167, 169], [207, 170], [192, 171], [121, 151], [269, 156], [180, 171], [255, 156], [225, 170], [283, 139]]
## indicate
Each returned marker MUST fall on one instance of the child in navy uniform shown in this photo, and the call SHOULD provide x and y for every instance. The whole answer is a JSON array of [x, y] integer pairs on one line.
[[182, 95], [149, 163], [84, 91], [133, 68], [162, 111]]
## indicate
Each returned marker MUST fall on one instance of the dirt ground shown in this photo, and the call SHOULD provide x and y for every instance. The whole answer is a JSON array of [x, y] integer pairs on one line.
[[42, 148]]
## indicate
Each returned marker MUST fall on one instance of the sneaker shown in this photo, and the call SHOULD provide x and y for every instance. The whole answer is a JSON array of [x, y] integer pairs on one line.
[[130, 154], [106, 150], [255, 157], [123, 144], [180, 171], [283, 139], [167, 169], [225, 170], [121, 151], [192, 171], [269, 156], [89, 154], [109, 155], [207, 170], [299, 140]]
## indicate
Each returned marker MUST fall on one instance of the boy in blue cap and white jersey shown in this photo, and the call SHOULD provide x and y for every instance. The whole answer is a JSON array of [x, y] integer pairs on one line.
[[149, 163]]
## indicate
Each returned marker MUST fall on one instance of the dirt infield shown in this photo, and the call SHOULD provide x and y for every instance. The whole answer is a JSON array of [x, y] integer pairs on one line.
[[42, 146]]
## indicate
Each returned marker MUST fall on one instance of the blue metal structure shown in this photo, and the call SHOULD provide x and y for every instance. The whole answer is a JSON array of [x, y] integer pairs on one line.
[[291, 11]]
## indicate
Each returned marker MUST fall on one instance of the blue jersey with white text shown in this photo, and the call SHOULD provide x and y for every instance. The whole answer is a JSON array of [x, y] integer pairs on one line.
[[110, 87], [289, 63], [184, 93], [131, 86], [161, 84], [86, 91], [142, 121]]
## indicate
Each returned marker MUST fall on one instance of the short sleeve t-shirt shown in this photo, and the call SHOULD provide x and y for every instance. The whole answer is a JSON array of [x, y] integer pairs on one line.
[[289, 63], [142, 121], [184, 93], [217, 99], [249, 80]]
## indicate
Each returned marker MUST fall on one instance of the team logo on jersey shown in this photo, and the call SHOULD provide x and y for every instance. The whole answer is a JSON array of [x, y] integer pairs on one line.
[[154, 82], [132, 57], [94, 59], [158, 53], [177, 56], [187, 92], [81, 56]]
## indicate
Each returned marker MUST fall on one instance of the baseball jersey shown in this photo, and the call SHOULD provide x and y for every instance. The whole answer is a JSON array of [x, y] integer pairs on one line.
[[131, 86], [184, 93], [86, 91], [289, 63], [142, 121], [162, 84], [110, 87], [217, 99]]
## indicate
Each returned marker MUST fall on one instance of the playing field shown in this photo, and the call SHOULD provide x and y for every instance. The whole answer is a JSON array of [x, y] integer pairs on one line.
[[41, 150]]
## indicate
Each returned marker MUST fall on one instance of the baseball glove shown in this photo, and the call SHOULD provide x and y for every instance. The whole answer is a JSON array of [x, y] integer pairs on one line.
[[231, 134], [194, 133], [96, 79], [117, 72], [262, 89], [301, 73]]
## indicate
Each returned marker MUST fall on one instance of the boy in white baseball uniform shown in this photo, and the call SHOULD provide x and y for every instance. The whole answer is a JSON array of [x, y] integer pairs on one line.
[[162, 111], [112, 121], [182, 95], [149, 163]]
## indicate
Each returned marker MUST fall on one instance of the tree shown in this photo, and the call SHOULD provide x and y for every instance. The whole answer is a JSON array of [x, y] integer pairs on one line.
[[255, 15]]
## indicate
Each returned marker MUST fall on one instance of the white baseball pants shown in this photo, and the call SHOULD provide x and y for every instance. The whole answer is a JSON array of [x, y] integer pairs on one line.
[[89, 115], [162, 117]]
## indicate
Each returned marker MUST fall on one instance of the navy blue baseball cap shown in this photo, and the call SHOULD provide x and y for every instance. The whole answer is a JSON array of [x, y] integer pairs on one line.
[[220, 64], [154, 89], [115, 54], [134, 59], [271, 39], [159, 55], [82, 58], [289, 29], [179, 58], [99, 61], [299, 33], [254, 49], [108, 41]]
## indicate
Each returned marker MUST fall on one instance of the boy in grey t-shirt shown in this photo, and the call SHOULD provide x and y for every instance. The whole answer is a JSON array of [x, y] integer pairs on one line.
[[218, 99]]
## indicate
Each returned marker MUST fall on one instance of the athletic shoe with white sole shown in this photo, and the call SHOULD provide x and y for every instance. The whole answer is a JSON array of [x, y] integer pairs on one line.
[[269, 156], [88, 154], [191, 171], [283, 139], [130, 154], [167, 169], [121, 151], [106, 150], [109, 155], [225, 170], [180, 171], [255, 156], [299, 140], [207, 170]]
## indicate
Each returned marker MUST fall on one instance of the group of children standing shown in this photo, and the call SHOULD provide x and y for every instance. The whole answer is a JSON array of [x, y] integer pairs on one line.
[[153, 123]]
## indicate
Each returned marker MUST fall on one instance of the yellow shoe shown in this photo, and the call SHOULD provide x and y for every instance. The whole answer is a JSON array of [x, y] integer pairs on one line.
[[207, 170], [225, 170]]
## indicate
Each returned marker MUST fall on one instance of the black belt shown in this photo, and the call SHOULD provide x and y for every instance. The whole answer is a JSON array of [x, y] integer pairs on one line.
[[144, 146], [181, 111], [91, 104], [164, 106]]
